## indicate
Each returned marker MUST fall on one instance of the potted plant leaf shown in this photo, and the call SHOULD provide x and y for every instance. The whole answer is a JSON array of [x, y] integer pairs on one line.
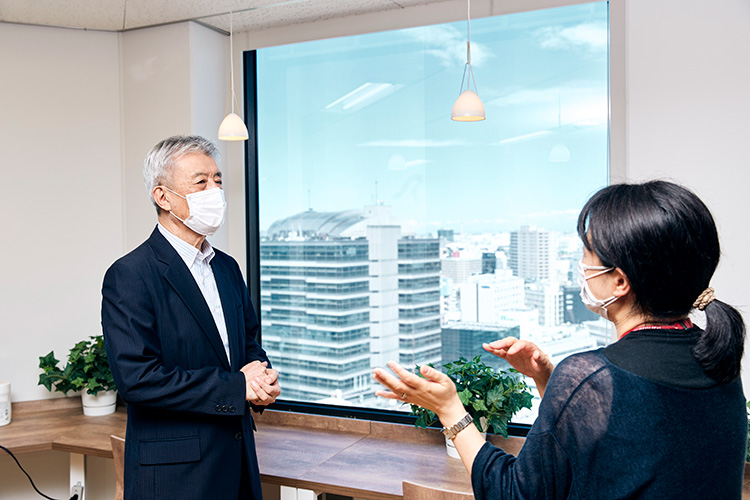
[[491, 396], [87, 370]]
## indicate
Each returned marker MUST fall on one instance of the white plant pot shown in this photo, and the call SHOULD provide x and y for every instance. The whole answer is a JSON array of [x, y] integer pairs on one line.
[[104, 403], [450, 446]]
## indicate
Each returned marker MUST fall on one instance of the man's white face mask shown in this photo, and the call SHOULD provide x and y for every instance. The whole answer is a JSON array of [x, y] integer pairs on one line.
[[207, 209], [592, 303]]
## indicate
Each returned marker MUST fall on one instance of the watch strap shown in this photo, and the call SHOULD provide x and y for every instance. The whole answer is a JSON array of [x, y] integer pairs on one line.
[[454, 429]]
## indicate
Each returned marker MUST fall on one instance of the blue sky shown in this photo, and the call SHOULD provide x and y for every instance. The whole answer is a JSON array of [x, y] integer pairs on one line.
[[340, 120]]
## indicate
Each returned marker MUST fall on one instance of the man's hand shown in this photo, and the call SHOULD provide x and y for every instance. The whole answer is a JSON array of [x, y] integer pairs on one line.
[[261, 383]]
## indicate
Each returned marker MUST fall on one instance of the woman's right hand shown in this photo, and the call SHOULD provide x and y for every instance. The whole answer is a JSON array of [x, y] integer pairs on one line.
[[525, 357]]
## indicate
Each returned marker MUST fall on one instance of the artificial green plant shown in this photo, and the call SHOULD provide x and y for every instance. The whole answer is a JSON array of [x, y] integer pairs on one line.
[[491, 396], [87, 368]]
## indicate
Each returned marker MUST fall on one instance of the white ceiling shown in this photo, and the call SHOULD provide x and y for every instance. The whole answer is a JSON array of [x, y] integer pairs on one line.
[[249, 15]]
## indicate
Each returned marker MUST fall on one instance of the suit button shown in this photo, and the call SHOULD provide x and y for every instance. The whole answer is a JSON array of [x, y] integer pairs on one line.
[[224, 408], [238, 436], [231, 409], [218, 407]]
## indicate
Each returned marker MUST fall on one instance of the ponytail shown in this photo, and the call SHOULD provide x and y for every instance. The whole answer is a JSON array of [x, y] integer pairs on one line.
[[720, 347]]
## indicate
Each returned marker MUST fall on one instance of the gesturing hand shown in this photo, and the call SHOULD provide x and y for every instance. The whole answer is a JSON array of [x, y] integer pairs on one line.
[[436, 391], [525, 357]]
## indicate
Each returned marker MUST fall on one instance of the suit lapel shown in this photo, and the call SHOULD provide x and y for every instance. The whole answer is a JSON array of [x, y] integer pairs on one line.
[[182, 282], [224, 284]]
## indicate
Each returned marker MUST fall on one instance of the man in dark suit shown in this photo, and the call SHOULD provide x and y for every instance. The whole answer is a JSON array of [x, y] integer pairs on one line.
[[180, 335]]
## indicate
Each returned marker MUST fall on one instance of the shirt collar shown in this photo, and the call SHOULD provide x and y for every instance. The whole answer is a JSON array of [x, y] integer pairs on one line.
[[189, 254]]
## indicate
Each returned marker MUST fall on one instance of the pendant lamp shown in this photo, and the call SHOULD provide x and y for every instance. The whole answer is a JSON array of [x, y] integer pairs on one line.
[[468, 106], [232, 128]]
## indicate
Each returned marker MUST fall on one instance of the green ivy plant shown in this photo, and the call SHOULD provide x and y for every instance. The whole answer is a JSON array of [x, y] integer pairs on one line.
[[492, 397], [87, 367]]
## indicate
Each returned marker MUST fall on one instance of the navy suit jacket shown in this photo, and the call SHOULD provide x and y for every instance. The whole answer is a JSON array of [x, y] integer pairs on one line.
[[188, 422]]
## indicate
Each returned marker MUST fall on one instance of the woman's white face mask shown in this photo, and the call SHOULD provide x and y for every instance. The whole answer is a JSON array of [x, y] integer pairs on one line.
[[593, 304]]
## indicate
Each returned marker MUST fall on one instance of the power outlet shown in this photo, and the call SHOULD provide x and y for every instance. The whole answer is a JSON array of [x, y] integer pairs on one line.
[[77, 492]]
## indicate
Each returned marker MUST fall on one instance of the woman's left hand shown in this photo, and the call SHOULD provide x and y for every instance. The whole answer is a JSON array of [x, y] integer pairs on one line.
[[436, 391]]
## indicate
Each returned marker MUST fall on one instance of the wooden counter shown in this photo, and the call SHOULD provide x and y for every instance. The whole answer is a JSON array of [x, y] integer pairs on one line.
[[357, 458]]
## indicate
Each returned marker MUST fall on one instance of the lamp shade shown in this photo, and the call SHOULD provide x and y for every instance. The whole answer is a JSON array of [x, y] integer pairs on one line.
[[232, 128], [559, 153], [468, 108]]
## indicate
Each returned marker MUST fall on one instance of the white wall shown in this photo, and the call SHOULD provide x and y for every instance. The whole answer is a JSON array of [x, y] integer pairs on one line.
[[688, 108], [62, 208], [174, 81], [62, 197]]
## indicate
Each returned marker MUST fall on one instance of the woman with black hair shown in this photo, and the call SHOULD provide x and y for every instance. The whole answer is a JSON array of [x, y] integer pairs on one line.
[[658, 414]]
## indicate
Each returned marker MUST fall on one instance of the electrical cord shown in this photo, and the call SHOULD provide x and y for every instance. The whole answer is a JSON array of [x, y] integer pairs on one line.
[[74, 497]]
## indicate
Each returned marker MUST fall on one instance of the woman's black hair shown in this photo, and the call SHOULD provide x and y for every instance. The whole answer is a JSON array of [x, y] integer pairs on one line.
[[663, 237]]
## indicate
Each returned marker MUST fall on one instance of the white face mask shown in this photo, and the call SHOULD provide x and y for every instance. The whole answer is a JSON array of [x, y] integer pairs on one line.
[[206, 208], [592, 303]]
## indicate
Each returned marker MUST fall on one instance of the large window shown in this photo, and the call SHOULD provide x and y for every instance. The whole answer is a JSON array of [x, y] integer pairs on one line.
[[388, 231]]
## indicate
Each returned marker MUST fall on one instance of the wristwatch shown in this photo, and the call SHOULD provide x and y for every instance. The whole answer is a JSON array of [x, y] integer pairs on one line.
[[454, 429]]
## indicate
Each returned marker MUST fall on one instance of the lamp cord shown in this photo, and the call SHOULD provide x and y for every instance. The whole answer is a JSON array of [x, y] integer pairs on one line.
[[74, 497], [231, 58], [468, 22]]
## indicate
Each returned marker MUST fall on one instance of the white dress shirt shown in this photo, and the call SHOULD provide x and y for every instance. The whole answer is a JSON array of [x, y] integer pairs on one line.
[[199, 263]]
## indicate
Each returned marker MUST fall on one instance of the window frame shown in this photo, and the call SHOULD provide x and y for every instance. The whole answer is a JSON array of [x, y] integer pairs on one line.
[[617, 171]]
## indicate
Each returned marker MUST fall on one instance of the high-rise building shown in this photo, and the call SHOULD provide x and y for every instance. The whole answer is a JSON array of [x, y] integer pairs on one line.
[[464, 339], [341, 293], [487, 296], [574, 309], [530, 254], [315, 316], [547, 298], [445, 234], [419, 301], [489, 262], [460, 268]]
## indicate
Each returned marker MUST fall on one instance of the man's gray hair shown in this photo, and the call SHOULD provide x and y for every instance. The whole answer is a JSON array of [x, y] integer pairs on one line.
[[159, 163]]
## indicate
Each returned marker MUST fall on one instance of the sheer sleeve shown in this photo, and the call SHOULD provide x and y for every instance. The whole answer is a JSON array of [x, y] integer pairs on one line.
[[570, 418]]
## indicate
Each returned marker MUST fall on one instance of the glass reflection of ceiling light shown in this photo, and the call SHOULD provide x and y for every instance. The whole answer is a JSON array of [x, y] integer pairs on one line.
[[468, 106], [559, 152], [232, 128], [365, 94]]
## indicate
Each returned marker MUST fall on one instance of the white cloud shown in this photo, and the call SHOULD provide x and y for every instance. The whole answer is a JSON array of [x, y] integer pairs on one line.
[[449, 45], [412, 143], [581, 103], [592, 36], [553, 213]]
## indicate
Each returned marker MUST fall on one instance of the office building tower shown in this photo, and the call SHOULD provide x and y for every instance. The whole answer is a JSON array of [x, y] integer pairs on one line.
[[465, 339], [419, 301], [460, 268], [574, 309], [489, 262], [341, 293], [445, 234], [530, 254], [315, 307], [487, 296], [548, 300]]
